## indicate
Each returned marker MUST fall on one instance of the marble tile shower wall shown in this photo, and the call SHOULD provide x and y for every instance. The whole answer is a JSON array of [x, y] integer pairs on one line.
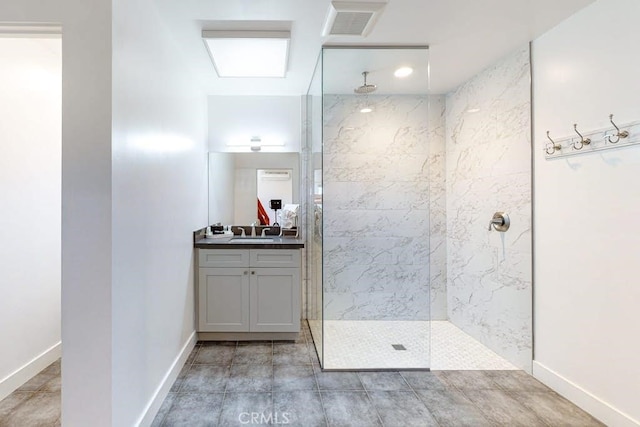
[[488, 169], [437, 208], [376, 208]]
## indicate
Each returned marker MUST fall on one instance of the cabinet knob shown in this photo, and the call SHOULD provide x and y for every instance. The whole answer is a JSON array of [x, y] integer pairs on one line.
[[253, 272], [246, 272]]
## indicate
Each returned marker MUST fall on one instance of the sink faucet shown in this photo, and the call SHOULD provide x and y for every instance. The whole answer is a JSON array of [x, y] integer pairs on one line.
[[264, 230], [253, 229]]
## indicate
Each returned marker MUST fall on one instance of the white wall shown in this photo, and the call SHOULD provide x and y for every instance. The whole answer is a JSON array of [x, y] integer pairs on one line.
[[86, 213], [159, 199], [126, 254], [86, 200], [587, 231], [30, 207], [235, 119]]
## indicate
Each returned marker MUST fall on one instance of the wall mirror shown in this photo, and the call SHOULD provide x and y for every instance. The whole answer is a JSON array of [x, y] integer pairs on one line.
[[238, 180]]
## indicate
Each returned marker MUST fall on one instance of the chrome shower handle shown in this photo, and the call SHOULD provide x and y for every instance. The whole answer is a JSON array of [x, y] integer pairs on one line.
[[500, 222], [495, 221]]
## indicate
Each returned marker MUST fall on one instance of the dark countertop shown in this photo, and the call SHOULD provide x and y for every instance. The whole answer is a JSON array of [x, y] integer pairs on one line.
[[277, 243]]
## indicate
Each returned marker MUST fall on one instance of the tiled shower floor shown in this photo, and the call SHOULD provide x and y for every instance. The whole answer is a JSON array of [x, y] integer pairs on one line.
[[367, 344]]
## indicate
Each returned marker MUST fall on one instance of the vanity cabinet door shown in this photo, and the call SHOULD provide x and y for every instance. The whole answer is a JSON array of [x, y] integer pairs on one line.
[[275, 300], [223, 300]]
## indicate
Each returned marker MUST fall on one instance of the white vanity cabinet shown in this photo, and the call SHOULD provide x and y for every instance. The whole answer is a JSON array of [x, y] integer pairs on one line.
[[248, 290]]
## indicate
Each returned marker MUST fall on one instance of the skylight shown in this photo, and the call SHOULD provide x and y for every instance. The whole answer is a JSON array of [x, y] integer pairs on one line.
[[248, 53]]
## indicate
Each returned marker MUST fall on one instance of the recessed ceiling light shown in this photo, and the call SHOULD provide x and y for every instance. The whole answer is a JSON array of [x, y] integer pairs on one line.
[[366, 110], [248, 53], [473, 110], [403, 72]]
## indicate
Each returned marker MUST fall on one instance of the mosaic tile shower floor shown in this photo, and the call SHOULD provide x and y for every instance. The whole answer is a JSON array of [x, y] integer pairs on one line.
[[368, 344]]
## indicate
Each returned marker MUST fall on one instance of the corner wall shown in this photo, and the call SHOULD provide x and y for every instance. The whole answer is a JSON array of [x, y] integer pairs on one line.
[[586, 214], [488, 157], [127, 214], [86, 200], [159, 199], [30, 207]]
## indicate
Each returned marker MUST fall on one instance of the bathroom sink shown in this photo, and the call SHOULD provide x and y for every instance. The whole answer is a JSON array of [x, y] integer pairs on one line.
[[251, 240]]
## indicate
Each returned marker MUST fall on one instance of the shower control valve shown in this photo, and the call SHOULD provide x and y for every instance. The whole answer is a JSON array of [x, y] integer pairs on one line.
[[500, 222]]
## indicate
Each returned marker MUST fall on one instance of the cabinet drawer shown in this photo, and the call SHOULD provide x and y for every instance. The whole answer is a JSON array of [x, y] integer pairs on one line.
[[275, 258], [223, 257]]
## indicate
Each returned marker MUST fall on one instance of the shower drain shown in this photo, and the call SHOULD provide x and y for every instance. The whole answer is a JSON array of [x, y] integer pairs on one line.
[[398, 347]]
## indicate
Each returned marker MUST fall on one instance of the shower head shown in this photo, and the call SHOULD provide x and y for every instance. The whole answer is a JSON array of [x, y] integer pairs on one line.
[[365, 88]]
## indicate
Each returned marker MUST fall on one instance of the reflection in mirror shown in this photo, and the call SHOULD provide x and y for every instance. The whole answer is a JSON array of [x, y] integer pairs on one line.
[[233, 185], [273, 185]]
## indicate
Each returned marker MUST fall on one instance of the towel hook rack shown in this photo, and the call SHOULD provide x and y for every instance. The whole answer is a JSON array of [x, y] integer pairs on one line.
[[611, 136], [552, 147], [619, 134], [583, 141]]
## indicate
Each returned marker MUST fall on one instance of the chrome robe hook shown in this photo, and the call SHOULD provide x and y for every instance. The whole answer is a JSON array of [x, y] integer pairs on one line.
[[619, 134], [583, 141]]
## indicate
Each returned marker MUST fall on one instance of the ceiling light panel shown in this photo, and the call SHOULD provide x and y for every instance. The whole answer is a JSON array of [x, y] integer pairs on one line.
[[248, 53]]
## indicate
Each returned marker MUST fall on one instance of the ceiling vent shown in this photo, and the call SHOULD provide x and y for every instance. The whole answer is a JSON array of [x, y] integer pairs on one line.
[[351, 18]]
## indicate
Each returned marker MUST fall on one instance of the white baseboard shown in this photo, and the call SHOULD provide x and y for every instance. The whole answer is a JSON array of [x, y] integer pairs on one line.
[[582, 398], [29, 370], [162, 391]]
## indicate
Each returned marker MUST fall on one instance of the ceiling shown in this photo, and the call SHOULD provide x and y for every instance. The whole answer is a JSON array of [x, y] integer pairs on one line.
[[464, 36], [342, 70]]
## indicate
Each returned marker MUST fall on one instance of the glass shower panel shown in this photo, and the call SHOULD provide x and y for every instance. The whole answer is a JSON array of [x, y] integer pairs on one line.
[[312, 158], [375, 209]]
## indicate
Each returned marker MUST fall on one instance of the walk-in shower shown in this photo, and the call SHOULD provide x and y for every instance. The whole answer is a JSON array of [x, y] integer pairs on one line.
[[390, 173], [371, 210]]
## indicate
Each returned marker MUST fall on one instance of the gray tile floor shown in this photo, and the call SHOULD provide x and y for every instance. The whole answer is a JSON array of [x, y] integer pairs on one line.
[[239, 384], [36, 403]]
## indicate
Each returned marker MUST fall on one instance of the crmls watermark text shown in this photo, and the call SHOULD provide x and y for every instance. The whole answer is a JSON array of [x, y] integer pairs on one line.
[[262, 418]]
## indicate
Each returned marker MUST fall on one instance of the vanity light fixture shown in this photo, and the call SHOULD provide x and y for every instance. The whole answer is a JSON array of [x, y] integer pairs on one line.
[[255, 142], [366, 110], [403, 72], [248, 53]]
